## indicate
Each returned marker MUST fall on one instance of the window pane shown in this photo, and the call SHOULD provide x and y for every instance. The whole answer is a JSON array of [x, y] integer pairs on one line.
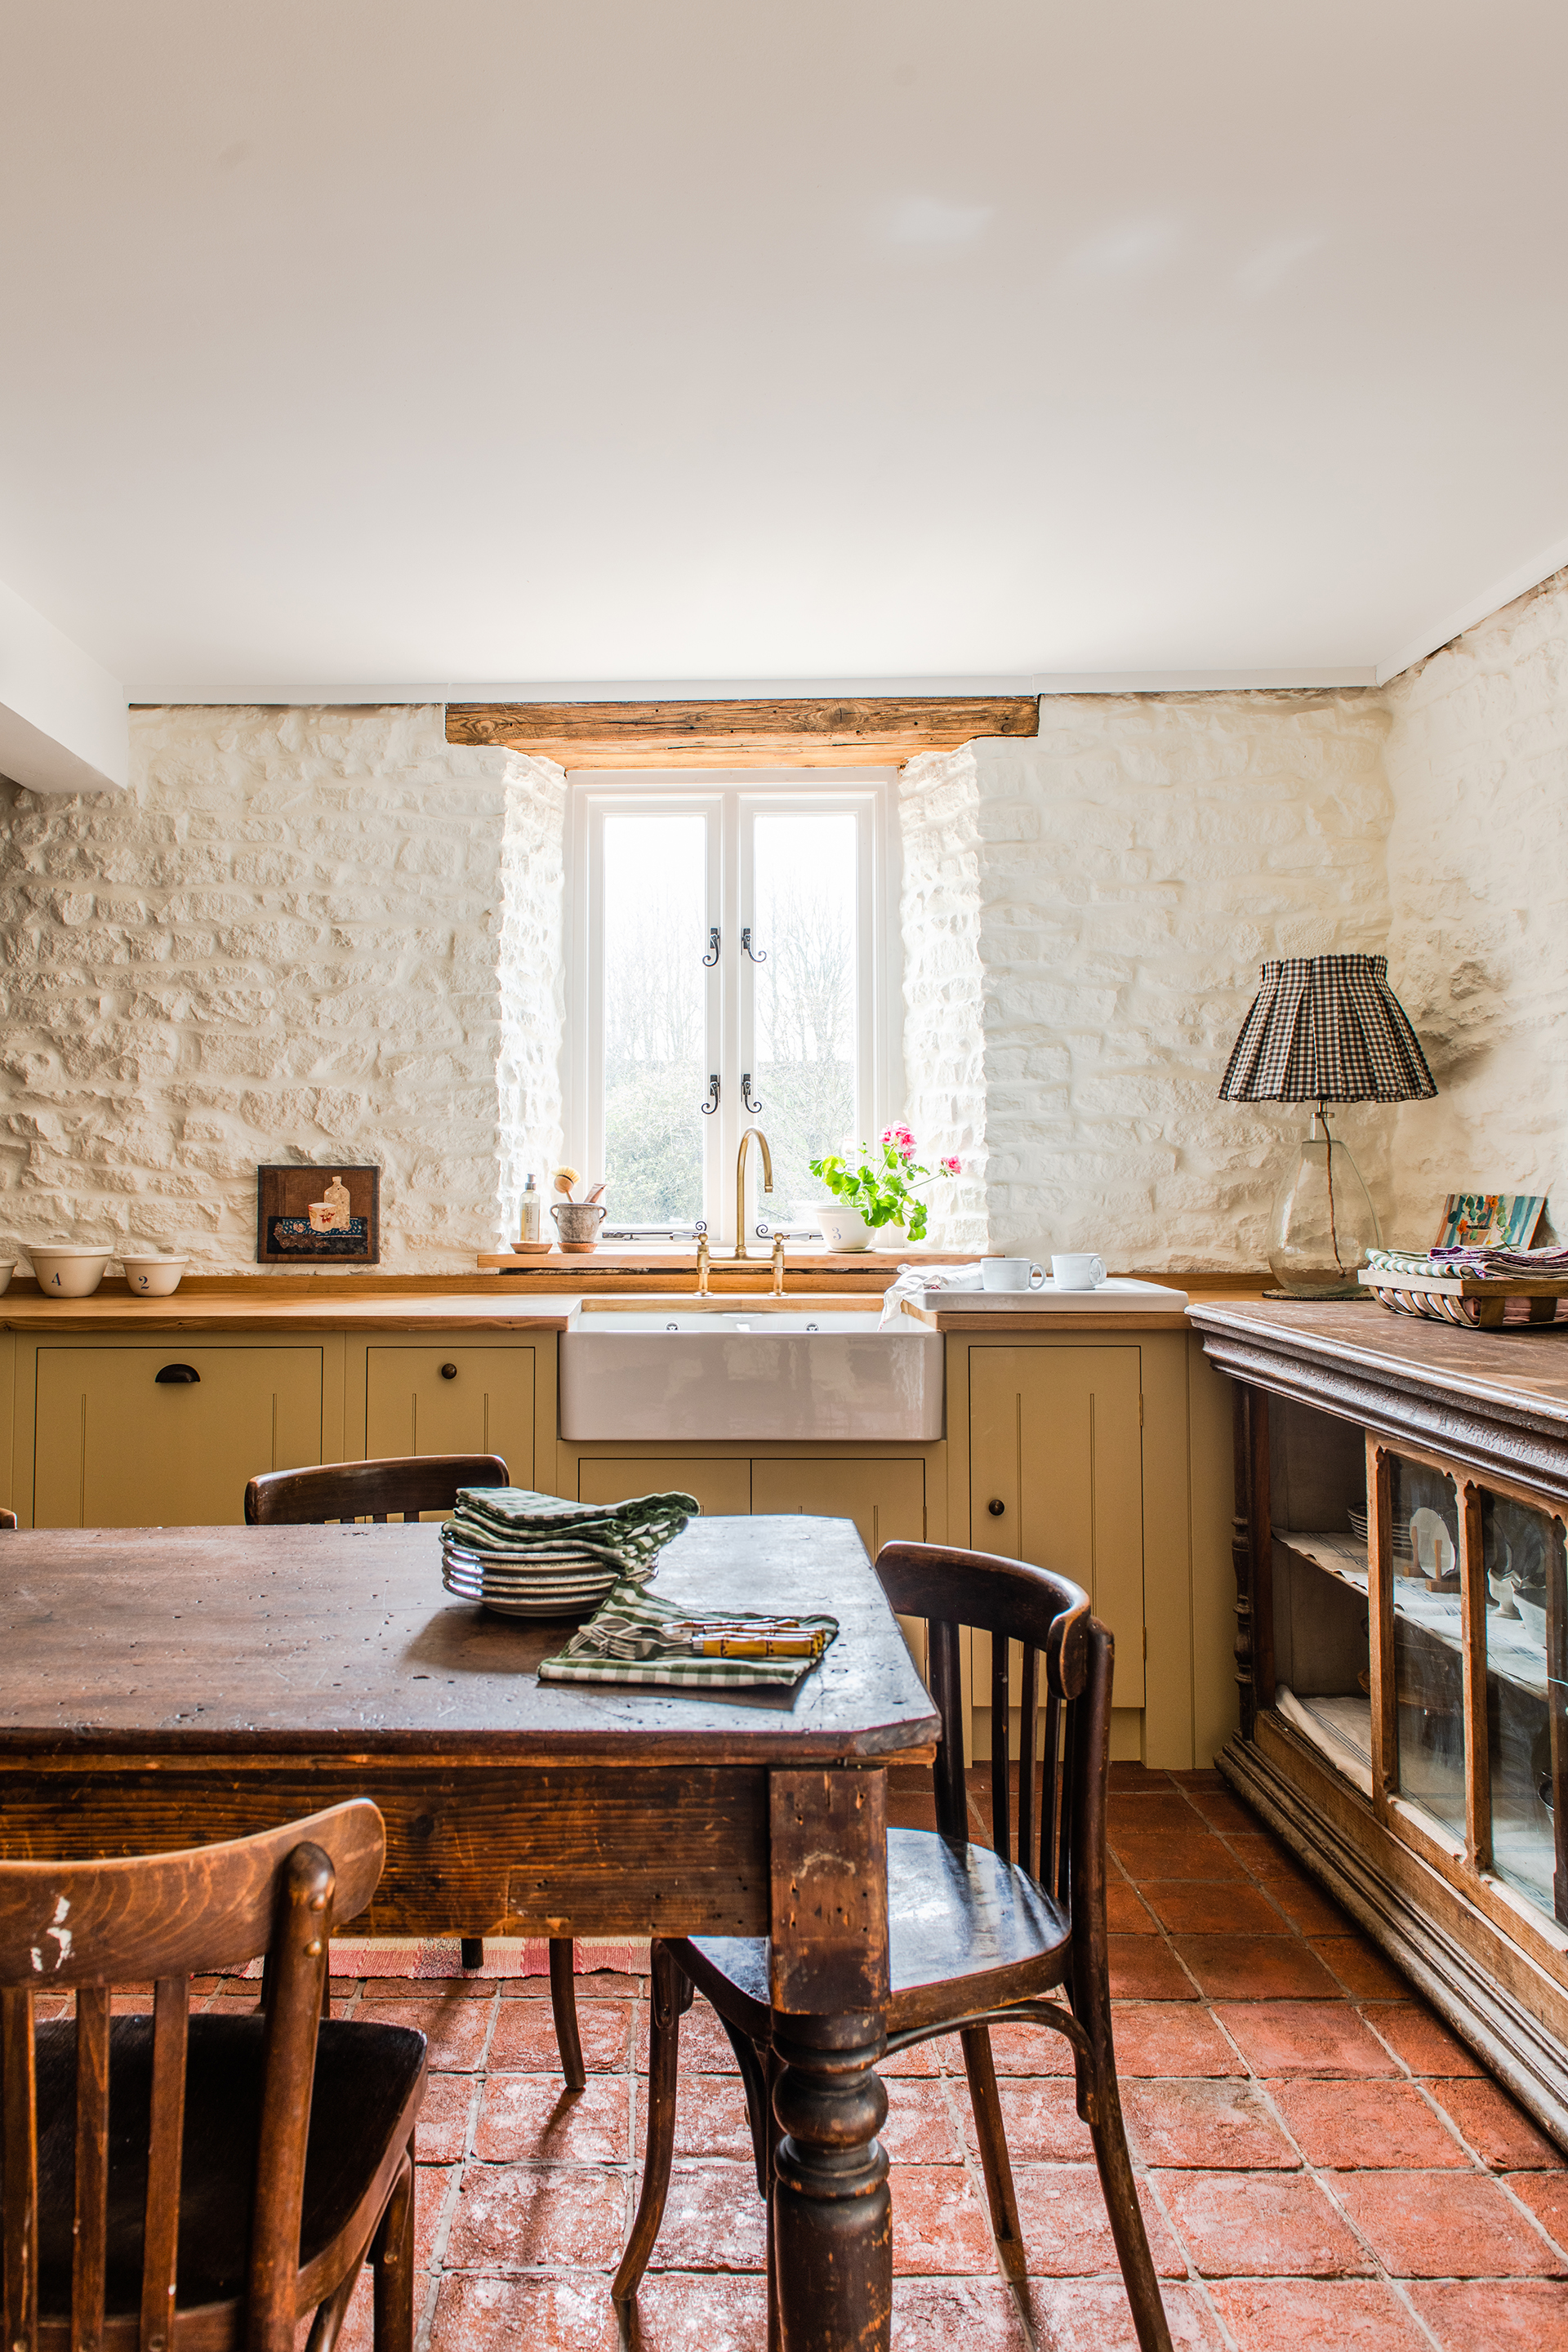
[[805, 896], [1527, 1607], [655, 1074]]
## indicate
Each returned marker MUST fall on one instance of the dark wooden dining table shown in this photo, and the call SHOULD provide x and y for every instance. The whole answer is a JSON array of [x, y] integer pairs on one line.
[[170, 1686]]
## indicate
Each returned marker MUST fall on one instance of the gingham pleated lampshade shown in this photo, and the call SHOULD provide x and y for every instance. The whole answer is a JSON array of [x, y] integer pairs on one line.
[[1326, 1029]]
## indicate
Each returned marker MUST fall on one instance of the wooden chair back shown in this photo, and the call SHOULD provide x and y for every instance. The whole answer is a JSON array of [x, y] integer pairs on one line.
[[8, 1518], [83, 1928], [1014, 1601], [368, 1490]]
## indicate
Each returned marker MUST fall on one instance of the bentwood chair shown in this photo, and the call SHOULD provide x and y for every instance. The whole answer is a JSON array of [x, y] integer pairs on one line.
[[976, 1936], [200, 2184], [373, 1490]]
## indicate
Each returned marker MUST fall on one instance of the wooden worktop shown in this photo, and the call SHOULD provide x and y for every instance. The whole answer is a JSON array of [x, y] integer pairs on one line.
[[268, 1303]]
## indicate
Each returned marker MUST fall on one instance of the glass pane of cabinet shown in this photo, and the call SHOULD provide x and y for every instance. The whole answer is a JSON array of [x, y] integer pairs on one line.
[[1428, 1642], [1522, 1548]]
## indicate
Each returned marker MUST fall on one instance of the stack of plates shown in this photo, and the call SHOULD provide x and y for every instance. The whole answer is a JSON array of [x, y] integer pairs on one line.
[[530, 1555], [1402, 1549]]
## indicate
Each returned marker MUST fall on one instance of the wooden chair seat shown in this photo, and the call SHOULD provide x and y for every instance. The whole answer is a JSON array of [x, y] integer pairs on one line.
[[954, 1913], [367, 2087]]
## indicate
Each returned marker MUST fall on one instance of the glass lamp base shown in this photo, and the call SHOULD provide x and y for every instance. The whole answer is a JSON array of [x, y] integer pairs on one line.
[[1323, 1221]]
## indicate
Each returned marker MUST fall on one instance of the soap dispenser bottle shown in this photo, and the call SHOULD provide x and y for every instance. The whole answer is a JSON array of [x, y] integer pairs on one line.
[[532, 1207]]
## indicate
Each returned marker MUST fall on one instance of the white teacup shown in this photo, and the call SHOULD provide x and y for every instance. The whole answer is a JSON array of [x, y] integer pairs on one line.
[[1010, 1274], [1079, 1270]]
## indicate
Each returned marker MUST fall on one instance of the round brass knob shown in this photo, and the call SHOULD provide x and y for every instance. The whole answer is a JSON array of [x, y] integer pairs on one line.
[[996, 1506], [449, 1371]]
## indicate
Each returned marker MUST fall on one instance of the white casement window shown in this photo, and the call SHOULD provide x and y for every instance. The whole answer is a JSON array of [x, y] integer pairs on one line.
[[731, 964]]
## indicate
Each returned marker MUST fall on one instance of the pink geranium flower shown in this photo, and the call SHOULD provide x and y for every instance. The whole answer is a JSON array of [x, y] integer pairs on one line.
[[952, 1167]]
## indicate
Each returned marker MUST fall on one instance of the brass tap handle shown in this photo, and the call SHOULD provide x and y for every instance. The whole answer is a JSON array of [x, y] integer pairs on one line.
[[703, 1254], [778, 1265]]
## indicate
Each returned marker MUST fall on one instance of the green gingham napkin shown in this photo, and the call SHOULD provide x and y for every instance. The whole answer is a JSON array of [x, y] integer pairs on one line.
[[628, 1640]]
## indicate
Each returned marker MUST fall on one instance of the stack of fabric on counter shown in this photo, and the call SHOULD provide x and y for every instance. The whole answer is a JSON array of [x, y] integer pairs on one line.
[[530, 1555], [1547, 1264]]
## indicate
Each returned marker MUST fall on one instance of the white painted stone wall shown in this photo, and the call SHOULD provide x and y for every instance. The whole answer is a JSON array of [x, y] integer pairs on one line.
[[1478, 859], [303, 934], [1103, 898]]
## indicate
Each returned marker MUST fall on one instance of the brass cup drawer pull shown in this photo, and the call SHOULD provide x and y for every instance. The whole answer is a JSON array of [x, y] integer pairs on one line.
[[178, 1376]]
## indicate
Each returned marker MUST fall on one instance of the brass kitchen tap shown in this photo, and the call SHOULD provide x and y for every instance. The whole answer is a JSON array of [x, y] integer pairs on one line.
[[702, 1256], [740, 1183]]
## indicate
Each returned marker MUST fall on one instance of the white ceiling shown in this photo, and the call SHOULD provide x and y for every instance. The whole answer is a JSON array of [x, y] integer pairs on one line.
[[378, 345]]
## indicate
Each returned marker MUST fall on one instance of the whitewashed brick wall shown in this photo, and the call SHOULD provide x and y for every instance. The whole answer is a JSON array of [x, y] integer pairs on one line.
[[1477, 857], [1084, 918], [303, 934]]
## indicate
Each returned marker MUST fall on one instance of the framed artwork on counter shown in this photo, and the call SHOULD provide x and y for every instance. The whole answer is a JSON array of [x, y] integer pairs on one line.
[[318, 1216]]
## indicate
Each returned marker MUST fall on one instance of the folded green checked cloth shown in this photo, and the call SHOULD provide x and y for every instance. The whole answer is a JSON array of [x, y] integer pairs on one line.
[[514, 1523], [633, 1638]]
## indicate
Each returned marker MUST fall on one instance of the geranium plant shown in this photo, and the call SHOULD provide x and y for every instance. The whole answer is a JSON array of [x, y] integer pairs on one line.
[[880, 1185]]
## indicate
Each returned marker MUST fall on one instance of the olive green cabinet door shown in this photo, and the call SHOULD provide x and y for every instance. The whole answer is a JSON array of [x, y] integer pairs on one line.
[[886, 1500], [451, 1400], [117, 1448], [1055, 1438], [723, 1488]]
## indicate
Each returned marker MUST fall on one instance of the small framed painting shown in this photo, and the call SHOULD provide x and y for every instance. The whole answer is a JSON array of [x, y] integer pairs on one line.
[[318, 1216], [1489, 1220]]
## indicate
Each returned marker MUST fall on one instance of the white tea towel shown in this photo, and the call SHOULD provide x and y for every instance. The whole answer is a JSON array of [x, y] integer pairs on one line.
[[913, 1280]]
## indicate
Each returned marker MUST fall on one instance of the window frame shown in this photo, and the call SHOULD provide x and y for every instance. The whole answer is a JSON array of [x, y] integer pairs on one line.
[[729, 801]]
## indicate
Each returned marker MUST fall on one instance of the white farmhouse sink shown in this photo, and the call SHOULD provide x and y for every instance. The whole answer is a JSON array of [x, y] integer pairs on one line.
[[751, 1372]]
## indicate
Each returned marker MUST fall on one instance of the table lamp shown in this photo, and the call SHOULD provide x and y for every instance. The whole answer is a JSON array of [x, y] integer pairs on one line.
[[1324, 1029]]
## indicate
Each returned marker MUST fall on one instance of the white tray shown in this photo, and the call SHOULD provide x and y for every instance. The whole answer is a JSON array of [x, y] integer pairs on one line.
[[1119, 1294]]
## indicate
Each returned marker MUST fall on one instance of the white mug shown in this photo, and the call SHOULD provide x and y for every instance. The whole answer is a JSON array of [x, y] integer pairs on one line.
[[1010, 1274], [1080, 1270]]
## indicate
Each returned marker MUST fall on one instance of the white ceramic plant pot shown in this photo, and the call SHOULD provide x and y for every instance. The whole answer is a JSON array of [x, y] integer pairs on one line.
[[152, 1276], [844, 1229], [69, 1273]]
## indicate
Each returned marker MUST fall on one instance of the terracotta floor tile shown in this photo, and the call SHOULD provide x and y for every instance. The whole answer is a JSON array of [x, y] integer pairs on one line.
[[960, 2314], [1182, 1855], [710, 2119], [533, 2119], [1303, 2314], [1261, 2224], [429, 1988], [433, 2187], [1200, 1906], [941, 2226], [1224, 1811], [1019, 2050], [1502, 2315], [1061, 2210], [926, 2058], [1306, 1908], [906, 1811], [704, 2045], [714, 2220], [722, 2312], [1093, 2316], [548, 2314], [1165, 1816], [923, 2126], [1445, 2225], [441, 2135], [529, 2217], [1361, 1968], [1041, 2119], [1205, 2126], [1349, 2125], [1125, 1913], [1546, 2194], [1165, 2037], [1423, 2042], [1256, 1968], [524, 2040], [456, 2029], [1263, 1856], [1140, 1780], [1144, 1968], [1500, 2133], [1304, 2037]]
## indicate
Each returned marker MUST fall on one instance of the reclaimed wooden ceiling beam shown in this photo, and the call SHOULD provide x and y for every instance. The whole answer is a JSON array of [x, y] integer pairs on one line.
[[884, 732]]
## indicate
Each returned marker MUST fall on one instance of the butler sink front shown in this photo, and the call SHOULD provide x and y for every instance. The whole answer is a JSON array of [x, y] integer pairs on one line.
[[750, 1370]]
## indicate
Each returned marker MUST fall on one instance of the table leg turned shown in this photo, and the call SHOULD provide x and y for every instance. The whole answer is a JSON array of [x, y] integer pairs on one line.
[[832, 2216]]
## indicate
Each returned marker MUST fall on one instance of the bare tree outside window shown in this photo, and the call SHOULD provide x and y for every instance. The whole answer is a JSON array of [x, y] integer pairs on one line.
[[655, 886]]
